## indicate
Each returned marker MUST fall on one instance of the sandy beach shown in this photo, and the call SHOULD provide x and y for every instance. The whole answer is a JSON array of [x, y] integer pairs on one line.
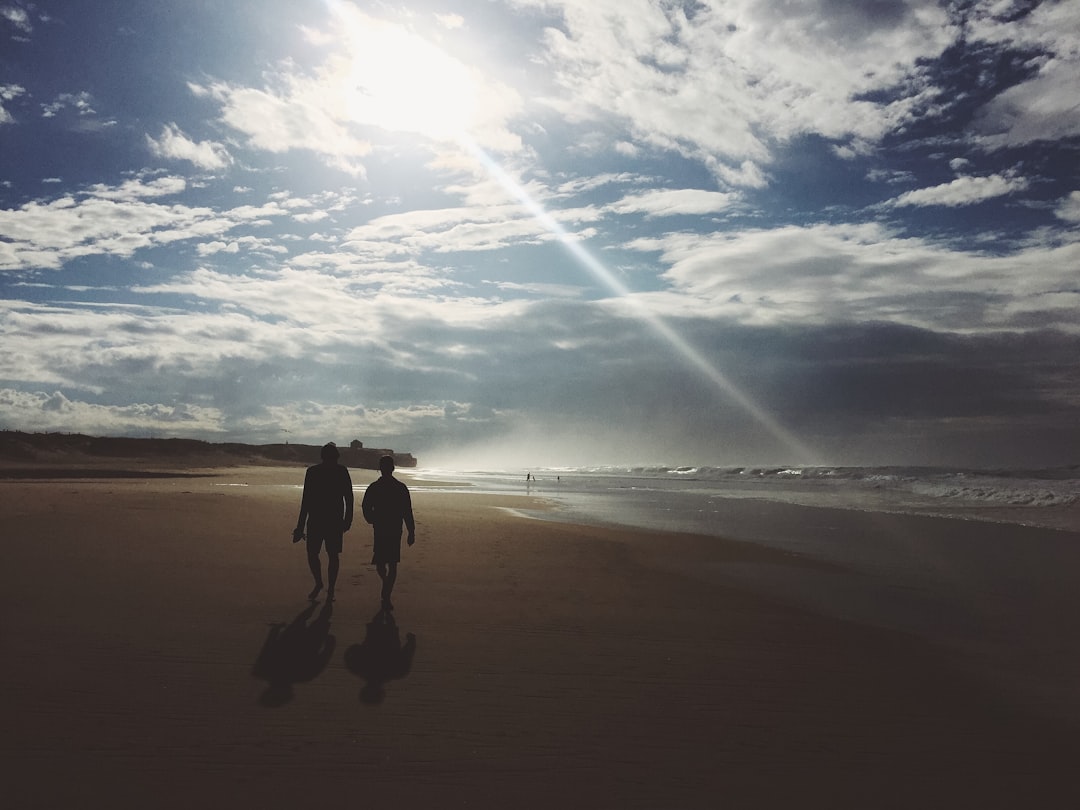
[[160, 652]]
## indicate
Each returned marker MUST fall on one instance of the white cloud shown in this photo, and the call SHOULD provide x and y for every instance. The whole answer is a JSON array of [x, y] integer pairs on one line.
[[1043, 107], [175, 145], [674, 202], [1069, 208], [210, 248], [114, 220], [82, 103], [444, 230], [350, 421], [43, 412], [859, 273], [233, 246], [963, 191], [9, 92], [378, 78], [138, 189], [18, 18], [718, 84], [450, 21], [313, 216]]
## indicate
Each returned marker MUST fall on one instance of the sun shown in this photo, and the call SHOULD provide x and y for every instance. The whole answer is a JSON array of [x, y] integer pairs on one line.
[[394, 79]]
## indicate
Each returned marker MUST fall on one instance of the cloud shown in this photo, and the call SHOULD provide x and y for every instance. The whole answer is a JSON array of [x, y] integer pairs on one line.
[[1069, 208], [1042, 108], [722, 85], [963, 191], [113, 221], [18, 18], [862, 273], [446, 230], [674, 202], [82, 103], [131, 190], [121, 220], [297, 114], [41, 411], [38, 411], [175, 145], [312, 354], [9, 92], [252, 243], [78, 112], [450, 21], [377, 79]]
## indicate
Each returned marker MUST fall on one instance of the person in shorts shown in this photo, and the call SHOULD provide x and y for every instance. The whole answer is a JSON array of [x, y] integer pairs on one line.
[[386, 506], [327, 509]]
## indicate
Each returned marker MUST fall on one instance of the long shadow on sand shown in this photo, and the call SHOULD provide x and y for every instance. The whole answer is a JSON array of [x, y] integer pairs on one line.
[[294, 653], [380, 657]]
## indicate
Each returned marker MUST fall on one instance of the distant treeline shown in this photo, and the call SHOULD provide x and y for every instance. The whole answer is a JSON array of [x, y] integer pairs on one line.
[[19, 446]]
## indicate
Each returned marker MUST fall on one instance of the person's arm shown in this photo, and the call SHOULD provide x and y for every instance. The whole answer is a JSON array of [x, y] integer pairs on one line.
[[348, 502], [298, 532], [410, 524], [367, 506]]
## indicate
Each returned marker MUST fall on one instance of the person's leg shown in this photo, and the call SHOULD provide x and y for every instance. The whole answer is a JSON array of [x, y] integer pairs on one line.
[[316, 571], [332, 564], [388, 578]]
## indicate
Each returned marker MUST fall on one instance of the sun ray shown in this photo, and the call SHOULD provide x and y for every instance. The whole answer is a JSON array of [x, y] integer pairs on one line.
[[401, 82], [690, 355]]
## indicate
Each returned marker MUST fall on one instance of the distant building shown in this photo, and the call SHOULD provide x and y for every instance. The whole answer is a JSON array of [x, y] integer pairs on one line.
[[356, 444]]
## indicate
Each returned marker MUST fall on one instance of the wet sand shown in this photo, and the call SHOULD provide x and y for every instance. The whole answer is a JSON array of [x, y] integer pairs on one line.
[[160, 651]]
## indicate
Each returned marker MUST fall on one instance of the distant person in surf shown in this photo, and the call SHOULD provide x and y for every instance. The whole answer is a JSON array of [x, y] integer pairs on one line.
[[327, 509], [386, 506]]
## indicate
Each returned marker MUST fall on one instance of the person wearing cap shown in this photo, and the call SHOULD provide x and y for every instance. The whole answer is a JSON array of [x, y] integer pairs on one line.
[[327, 509], [386, 505]]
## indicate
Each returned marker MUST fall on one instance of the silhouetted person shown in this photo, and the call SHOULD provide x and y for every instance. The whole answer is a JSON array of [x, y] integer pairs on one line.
[[327, 506], [380, 657], [386, 506], [294, 653]]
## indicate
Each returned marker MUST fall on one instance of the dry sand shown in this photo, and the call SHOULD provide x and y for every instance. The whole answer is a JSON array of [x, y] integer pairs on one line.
[[159, 652]]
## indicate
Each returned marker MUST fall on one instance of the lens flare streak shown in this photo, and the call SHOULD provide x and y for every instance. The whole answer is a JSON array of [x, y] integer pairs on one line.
[[689, 354]]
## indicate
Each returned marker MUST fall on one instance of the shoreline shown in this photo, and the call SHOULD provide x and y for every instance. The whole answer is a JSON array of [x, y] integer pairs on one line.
[[610, 498], [646, 669]]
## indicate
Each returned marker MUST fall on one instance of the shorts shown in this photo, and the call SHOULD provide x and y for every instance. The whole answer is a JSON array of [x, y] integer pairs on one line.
[[387, 545], [317, 536]]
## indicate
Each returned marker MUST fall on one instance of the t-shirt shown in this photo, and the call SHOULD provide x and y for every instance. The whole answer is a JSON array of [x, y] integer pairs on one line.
[[326, 486], [387, 503]]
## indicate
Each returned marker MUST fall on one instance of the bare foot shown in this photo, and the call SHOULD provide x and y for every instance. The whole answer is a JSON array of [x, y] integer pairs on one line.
[[330, 595], [315, 591]]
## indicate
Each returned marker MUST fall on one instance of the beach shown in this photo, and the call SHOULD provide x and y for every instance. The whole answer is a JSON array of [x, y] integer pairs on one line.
[[160, 651]]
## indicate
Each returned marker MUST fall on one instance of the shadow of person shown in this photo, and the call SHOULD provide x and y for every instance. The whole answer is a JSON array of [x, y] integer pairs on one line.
[[294, 653], [380, 657]]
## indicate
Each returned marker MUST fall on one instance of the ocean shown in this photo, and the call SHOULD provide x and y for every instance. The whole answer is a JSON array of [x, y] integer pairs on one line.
[[973, 559], [709, 500]]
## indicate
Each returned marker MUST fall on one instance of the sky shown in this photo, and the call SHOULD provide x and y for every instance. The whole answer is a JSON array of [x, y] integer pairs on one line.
[[547, 232]]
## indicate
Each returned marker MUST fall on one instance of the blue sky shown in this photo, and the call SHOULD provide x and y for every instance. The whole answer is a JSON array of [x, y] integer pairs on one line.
[[547, 232]]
